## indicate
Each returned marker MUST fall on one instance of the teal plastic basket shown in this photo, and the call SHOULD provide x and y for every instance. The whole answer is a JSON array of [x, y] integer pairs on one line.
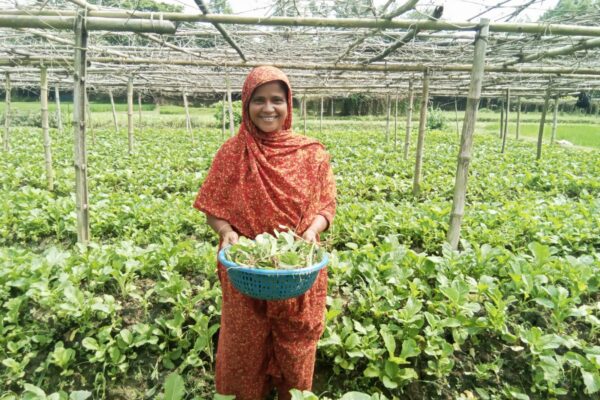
[[267, 284]]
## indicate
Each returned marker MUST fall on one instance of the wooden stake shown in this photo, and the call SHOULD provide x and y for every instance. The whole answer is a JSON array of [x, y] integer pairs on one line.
[[505, 133], [321, 118], [456, 116], [140, 111], [542, 123], [231, 127], [554, 120], [466, 141], [7, 113], [46, 128], [114, 111], [81, 186], [409, 112], [130, 114], [387, 123], [421, 137], [223, 117], [59, 123], [304, 111], [188, 121], [518, 118], [332, 107], [396, 123]]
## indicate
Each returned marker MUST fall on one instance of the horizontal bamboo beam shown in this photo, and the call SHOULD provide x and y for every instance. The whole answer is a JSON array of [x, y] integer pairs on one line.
[[507, 27], [560, 51], [49, 61], [92, 23]]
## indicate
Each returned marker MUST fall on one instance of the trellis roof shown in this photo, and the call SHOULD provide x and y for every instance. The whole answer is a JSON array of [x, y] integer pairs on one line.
[[175, 52]]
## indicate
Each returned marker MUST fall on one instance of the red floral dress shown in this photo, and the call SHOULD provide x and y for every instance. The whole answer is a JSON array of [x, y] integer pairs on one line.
[[259, 182]]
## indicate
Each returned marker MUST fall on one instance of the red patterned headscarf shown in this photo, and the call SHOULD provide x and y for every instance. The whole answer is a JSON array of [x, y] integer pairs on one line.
[[260, 181]]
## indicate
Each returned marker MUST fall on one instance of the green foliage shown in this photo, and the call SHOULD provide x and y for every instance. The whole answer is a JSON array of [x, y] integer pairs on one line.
[[436, 119], [569, 10], [237, 113], [140, 5], [220, 7], [32, 118], [514, 314]]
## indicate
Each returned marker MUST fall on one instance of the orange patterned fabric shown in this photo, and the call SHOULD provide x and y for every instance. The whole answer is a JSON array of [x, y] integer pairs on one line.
[[258, 182]]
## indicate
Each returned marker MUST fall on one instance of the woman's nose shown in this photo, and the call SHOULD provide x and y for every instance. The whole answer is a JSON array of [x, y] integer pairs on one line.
[[269, 106]]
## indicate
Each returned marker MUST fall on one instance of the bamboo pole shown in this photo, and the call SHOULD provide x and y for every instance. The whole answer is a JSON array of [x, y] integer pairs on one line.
[[421, 137], [304, 111], [101, 20], [321, 117], [409, 111], [542, 123], [505, 133], [127, 24], [81, 186], [456, 116], [223, 117], [7, 88], [387, 121], [114, 111], [231, 127], [466, 141], [130, 138], [396, 123], [46, 128], [501, 131], [188, 121], [554, 120], [59, 123], [140, 111], [518, 130], [332, 107], [88, 110]]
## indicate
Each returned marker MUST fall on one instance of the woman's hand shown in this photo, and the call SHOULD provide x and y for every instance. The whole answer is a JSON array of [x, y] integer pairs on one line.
[[310, 236], [229, 237]]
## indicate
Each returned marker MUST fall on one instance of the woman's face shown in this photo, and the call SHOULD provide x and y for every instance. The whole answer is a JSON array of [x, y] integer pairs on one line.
[[268, 107]]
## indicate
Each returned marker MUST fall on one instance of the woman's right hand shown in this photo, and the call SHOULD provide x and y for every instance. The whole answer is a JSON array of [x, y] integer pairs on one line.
[[229, 238]]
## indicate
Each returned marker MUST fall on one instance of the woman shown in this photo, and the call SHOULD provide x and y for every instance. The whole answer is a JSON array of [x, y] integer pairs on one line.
[[263, 178]]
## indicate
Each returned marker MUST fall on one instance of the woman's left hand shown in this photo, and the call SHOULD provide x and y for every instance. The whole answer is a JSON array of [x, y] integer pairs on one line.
[[310, 236]]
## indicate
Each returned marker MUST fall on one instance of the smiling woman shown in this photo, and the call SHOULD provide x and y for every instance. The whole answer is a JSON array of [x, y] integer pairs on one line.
[[261, 179]]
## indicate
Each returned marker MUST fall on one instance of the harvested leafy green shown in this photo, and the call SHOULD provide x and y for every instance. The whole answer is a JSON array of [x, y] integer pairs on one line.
[[280, 251]]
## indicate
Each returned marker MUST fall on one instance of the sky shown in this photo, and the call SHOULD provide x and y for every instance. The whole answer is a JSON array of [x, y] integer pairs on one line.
[[454, 10]]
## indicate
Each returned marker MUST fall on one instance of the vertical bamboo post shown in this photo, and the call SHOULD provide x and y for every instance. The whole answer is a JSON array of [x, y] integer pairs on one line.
[[466, 141], [542, 123], [501, 132], [456, 116], [188, 121], [409, 111], [59, 123], [396, 123], [140, 111], [304, 111], [505, 133], [114, 111], [88, 111], [46, 128], [554, 120], [81, 186], [130, 114], [231, 126], [332, 107], [321, 117], [223, 117], [387, 123], [518, 130], [421, 137], [7, 113]]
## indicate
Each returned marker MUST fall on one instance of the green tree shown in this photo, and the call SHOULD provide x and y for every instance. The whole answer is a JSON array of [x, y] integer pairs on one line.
[[220, 7], [574, 10]]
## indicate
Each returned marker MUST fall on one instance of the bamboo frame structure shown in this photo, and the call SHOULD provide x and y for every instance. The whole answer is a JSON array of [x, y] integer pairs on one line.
[[114, 111], [59, 123], [409, 111], [387, 119], [554, 120], [188, 121], [7, 89], [396, 123], [506, 118], [421, 138], [542, 124], [466, 140], [46, 128], [518, 127], [230, 105]]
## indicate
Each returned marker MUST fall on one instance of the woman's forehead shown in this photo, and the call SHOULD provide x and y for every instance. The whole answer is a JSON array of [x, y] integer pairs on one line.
[[270, 89]]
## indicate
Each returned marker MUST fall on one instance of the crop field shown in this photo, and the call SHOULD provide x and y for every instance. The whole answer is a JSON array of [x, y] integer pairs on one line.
[[515, 314]]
